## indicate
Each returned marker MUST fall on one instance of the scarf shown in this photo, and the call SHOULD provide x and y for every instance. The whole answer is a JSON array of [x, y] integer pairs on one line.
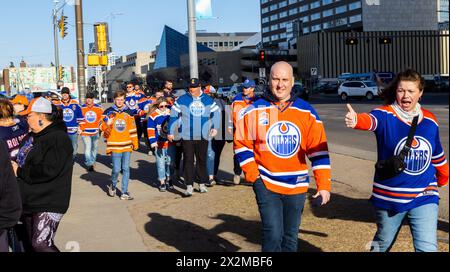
[[408, 116]]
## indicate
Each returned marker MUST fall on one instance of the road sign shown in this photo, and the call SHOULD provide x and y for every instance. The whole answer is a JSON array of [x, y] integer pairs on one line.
[[234, 77], [262, 72], [314, 71]]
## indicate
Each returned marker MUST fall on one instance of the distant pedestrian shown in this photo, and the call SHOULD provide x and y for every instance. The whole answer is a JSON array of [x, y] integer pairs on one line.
[[132, 100], [199, 117], [92, 114], [409, 134], [157, 133], [239, 103], [12, 129], [20, 103], [72, 116], [44, 169], [119, 130]]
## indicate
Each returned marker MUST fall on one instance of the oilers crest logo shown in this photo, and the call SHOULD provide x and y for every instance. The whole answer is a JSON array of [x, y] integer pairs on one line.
[[197, 108], [283, 139], [68, 115], [120, 125], [132, 104], [147, 107], [419, 157], [91, 117]]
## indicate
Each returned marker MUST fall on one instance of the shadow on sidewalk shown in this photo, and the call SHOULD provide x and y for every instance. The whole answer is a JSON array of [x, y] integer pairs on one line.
[[185, 236], [352, 209]]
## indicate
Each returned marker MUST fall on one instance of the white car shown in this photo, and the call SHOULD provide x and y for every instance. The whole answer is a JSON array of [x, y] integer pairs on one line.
[[367, 89]]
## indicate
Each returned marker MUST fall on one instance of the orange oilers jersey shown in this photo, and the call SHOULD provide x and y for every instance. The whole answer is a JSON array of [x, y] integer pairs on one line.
[[274, 142], [92, 119], [123, 137]]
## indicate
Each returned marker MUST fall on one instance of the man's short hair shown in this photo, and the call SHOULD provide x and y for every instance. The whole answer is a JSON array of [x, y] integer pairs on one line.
[[119, 94]]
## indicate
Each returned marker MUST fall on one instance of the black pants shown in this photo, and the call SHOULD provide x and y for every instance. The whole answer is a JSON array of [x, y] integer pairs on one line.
[[200, 150], [237, 167], [144, 129], [137, 120], [178, 156], [4, 246], [217, 146]]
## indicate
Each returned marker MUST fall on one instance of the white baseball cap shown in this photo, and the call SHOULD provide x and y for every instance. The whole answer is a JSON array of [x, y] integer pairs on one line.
[[39, 105]]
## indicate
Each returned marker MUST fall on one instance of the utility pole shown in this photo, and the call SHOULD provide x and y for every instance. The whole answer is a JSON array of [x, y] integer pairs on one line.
[[55, 34], [193, 59], [80, 51]]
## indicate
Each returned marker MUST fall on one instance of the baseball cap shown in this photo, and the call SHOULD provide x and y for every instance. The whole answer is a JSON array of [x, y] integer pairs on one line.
[[65, 90], [248, 83], [194, 83], [20, 99], [39, 105]]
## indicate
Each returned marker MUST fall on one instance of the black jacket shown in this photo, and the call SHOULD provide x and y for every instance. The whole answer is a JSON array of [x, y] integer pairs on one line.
[[10, 202], [46, 177]]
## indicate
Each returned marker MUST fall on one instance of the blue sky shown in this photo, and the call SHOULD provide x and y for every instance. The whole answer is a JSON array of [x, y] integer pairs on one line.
[[27, 25]]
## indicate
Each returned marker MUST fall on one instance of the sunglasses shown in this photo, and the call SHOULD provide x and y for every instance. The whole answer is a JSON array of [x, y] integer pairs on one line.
[[162, 106]]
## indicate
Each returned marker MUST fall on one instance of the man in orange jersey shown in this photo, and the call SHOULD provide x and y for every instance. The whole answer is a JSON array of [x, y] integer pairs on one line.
[[92, 114], [121, 139], [279, 131]]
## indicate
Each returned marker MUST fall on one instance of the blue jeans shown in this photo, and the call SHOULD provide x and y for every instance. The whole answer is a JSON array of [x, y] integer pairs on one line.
[[163, 163], [121, 161], [90, 149], [74, 140], [280, 216], [422, 221], [210, 159]]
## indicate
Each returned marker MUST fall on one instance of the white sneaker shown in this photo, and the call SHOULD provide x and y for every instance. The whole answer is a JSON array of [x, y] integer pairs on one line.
[[203, 189], [237, 179], [189, 191]]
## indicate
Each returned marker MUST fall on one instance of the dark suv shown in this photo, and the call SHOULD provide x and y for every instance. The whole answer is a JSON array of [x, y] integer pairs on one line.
[[300, 91]]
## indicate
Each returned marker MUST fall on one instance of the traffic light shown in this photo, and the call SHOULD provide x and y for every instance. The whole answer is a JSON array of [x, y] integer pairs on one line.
[[385, 40], [351, 41], [62, 26], [101, 37], [262, 58]]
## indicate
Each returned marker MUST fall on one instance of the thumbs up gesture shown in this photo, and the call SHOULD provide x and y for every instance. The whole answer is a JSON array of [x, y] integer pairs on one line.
[[351, 117]]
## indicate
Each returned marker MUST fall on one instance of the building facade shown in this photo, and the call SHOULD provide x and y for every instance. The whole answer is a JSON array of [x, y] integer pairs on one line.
[[284, 20], [223, 42]]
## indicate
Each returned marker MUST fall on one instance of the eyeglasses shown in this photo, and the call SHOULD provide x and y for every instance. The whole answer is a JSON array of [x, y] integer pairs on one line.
[[162, 106]]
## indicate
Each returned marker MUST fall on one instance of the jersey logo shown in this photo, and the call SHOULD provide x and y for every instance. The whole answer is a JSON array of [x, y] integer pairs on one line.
[[419, 157], [68, 115], [241, 114], [283, 139], [132, 104], [91, 117], [120, 125], [147, 107], [263, 119], [197, 108]]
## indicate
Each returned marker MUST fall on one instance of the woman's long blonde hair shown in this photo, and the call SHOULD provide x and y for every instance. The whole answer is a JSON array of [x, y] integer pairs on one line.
[[155, 105]]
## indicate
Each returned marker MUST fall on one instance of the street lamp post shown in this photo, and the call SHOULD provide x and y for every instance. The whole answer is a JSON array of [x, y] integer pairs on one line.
[[55, 34], [193, 60]]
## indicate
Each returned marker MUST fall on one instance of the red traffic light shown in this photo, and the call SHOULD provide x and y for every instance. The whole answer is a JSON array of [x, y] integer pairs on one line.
[[262, 55]]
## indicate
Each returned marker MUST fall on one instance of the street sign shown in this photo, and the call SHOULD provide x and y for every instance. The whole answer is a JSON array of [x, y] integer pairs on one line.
[[262, 72], [314, 71], [221, 80], [234, 77]]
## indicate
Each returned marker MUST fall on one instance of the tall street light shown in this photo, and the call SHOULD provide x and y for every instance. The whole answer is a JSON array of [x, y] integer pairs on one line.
[[192, 39]]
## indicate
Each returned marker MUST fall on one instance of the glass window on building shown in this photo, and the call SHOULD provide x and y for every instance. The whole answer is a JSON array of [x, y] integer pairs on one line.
[[264, 1], [264, 10], [266, 39], [314, 5], [216, 44], [327, 12], [293, 11], [283, 25], [273, 7], [283, 35], [225, 44], [305, 19], [315, 16], [282, 4], [341, 21], [264, 30], [303, 8], [275, 37], [317, 27], [354, 5], [274, 27], [327, 2], [305, 30], [283, 14], [274, 17], [341, 9], [236, 43], [355, 18], [220, 44], [326, 25], [292, 2], [210, 44]]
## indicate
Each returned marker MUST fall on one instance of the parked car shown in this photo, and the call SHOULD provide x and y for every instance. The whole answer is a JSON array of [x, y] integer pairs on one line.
[[367, 89], [222, 92], [327, 88], [300, 91]]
